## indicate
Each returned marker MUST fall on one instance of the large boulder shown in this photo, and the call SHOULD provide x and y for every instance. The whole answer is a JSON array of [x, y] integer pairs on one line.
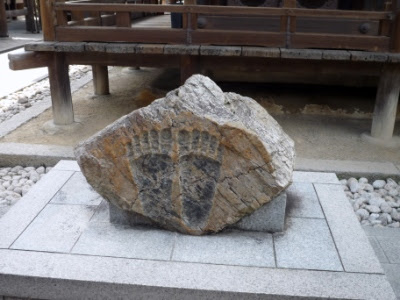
[[194, 161]]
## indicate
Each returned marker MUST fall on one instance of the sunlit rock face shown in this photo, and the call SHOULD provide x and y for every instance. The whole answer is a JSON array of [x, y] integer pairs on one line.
[[194, 162]]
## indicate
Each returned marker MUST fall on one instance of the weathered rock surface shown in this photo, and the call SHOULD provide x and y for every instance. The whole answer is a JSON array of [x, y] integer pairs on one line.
[[195, 161]]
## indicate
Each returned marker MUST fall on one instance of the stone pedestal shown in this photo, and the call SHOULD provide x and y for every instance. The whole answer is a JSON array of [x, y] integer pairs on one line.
[[268, 218]]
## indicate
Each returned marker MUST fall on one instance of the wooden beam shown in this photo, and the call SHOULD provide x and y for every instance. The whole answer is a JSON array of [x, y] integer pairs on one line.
[[3, 20], [387, 98], [29, 60], [60, 89], [337, 41], [120, 34], [100, 80], [245, 38], [123, 59], [396, 33], [224, 10]]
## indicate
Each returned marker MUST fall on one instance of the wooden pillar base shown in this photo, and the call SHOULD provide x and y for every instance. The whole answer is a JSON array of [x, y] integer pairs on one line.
[[394, 142], [63, 113], [3, 20], [387, 97], [100, 80]]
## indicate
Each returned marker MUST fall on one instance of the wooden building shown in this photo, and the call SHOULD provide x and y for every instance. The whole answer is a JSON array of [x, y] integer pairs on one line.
[[260, 36]]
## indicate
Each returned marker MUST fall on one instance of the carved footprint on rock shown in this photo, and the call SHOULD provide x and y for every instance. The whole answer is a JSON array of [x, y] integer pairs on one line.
[[199, 167], [153, 172]]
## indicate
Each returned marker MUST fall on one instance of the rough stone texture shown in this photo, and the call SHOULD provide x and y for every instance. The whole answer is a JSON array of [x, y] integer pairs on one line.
[[195, 161]]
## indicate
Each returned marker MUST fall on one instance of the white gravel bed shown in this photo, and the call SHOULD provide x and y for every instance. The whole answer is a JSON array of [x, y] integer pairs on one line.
[[16, 182], [14, 103], [375, 203]]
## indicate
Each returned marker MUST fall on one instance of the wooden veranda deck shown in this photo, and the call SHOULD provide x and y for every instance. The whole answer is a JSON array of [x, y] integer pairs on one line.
[[294, 40]]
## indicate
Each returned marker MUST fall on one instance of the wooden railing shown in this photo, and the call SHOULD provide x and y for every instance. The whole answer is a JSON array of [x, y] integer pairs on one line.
[[89, 23]]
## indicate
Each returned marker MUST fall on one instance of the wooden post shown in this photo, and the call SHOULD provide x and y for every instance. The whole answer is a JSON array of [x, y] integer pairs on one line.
[[63, 113], [387, 98], [47, 17], [3, 20], [29, 17], [100, 80], [396, 33], [189, 66]]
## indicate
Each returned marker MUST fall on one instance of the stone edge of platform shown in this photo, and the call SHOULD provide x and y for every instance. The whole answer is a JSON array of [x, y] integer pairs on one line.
[[65, 276]]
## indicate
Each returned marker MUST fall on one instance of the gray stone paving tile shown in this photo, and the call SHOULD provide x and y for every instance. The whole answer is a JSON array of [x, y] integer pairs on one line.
[[315, 177], [307, 244], [346, 167], [102, 213], [77, 191], [353, 245], [55, 229], [108, 239], [51, 276], [67, 165], [392, 272], [14, 222], [302, 201], [230, 247], [391, 248], [382, 232], [378, 250]]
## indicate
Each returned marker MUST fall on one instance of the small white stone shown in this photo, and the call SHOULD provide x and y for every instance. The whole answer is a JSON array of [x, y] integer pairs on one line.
[[349, 195], [353, 185], [373, 217], [48, 169], [25, 189], [376, 201], [16, 169], [378, 184], [368, 187], [395, 215], [343, 182], [41, 170], [394, 225], [386, 208], [393, 204], [34, 176], [29, 169], [18, 190], [365, 223], [363, 180], [393, 192], [345, 188], [6, 184], [373, 209], [364, 214]]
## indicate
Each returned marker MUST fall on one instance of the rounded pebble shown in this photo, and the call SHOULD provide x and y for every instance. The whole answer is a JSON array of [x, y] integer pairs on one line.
[[378, 184]]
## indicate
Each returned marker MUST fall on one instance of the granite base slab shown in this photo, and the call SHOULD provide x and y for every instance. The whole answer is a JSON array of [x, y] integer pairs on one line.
[[57, 243], [268, 218]]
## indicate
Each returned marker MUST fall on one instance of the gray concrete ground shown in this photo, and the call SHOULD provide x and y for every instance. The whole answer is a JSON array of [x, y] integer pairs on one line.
[[18, 36], [66, 234], [386, 243]]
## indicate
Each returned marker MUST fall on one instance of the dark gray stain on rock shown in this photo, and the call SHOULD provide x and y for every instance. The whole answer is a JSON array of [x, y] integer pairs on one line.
[[153, 170], [199, 165]]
